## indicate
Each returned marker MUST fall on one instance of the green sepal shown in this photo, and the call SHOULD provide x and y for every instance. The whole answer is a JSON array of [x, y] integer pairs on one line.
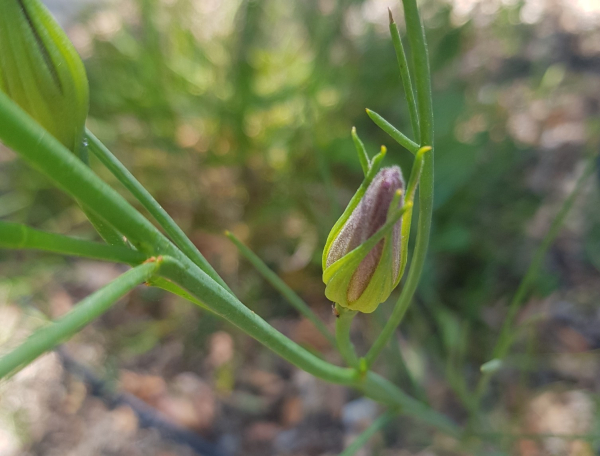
[[363, 157], [339, 274], [41, 71], [374, 168]]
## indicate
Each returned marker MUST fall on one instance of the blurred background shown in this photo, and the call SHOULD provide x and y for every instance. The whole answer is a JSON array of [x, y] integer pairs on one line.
[[236, 115]]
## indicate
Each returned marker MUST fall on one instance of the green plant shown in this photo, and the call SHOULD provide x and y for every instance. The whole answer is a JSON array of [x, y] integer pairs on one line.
[[176, 265]]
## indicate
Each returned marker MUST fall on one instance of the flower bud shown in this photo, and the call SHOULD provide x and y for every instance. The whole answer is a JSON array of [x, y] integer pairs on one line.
[[41, 71], [362, 278]]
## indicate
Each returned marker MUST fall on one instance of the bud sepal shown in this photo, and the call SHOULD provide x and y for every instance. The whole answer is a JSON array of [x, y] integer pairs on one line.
[[411, 189], [41, 71], [339, 274], [361, 260], [366, 252]]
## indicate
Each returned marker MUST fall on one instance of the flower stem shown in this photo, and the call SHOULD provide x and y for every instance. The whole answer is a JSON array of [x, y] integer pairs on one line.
[[195, 281], [420, 61], [143, 196], [343, 324], [296, 301]]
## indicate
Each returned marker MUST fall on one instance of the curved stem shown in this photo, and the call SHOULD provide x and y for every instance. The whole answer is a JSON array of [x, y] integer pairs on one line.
[[420, 60], [505, 339], [19, 236], [143, 196], [343, 323], [290, 295], [43, 152], [93, 306], [196, 282]]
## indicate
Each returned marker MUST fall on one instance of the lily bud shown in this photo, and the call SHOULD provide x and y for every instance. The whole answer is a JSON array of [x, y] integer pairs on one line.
[[41, 71], [360, 276]]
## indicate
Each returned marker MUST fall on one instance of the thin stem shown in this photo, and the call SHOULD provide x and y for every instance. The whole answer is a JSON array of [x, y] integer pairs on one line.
[[19, 236], [290, 295], [396, 351], [93, 306], [366, 435], [343, 323], [405, 76], [229, 307], [147, 200], [106, 231], [420, 60], [164, 284], [505, 339], [42, 151], [411, 188], [396, 134]]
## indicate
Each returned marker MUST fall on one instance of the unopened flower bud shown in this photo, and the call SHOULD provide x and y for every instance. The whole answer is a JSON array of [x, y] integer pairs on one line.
[[41, 71], [363, 280]]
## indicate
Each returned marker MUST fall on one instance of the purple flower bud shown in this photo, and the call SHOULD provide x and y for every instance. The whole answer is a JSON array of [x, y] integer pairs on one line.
[[365, 286]]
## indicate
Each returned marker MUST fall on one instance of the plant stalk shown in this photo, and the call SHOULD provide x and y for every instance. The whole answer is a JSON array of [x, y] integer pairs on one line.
[[420, 61], [19, 236], [343, 323]]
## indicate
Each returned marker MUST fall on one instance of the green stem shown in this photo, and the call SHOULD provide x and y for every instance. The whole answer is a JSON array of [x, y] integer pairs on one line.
[[111, 236], [164, 284], [93, 306], [366, 435], [343, 323], [147, 200], [505, 339], [396, 134], [42, 151], [230, 308], [296, 301], [19, 236], [396, 352], [405, 76], [420, 60]]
